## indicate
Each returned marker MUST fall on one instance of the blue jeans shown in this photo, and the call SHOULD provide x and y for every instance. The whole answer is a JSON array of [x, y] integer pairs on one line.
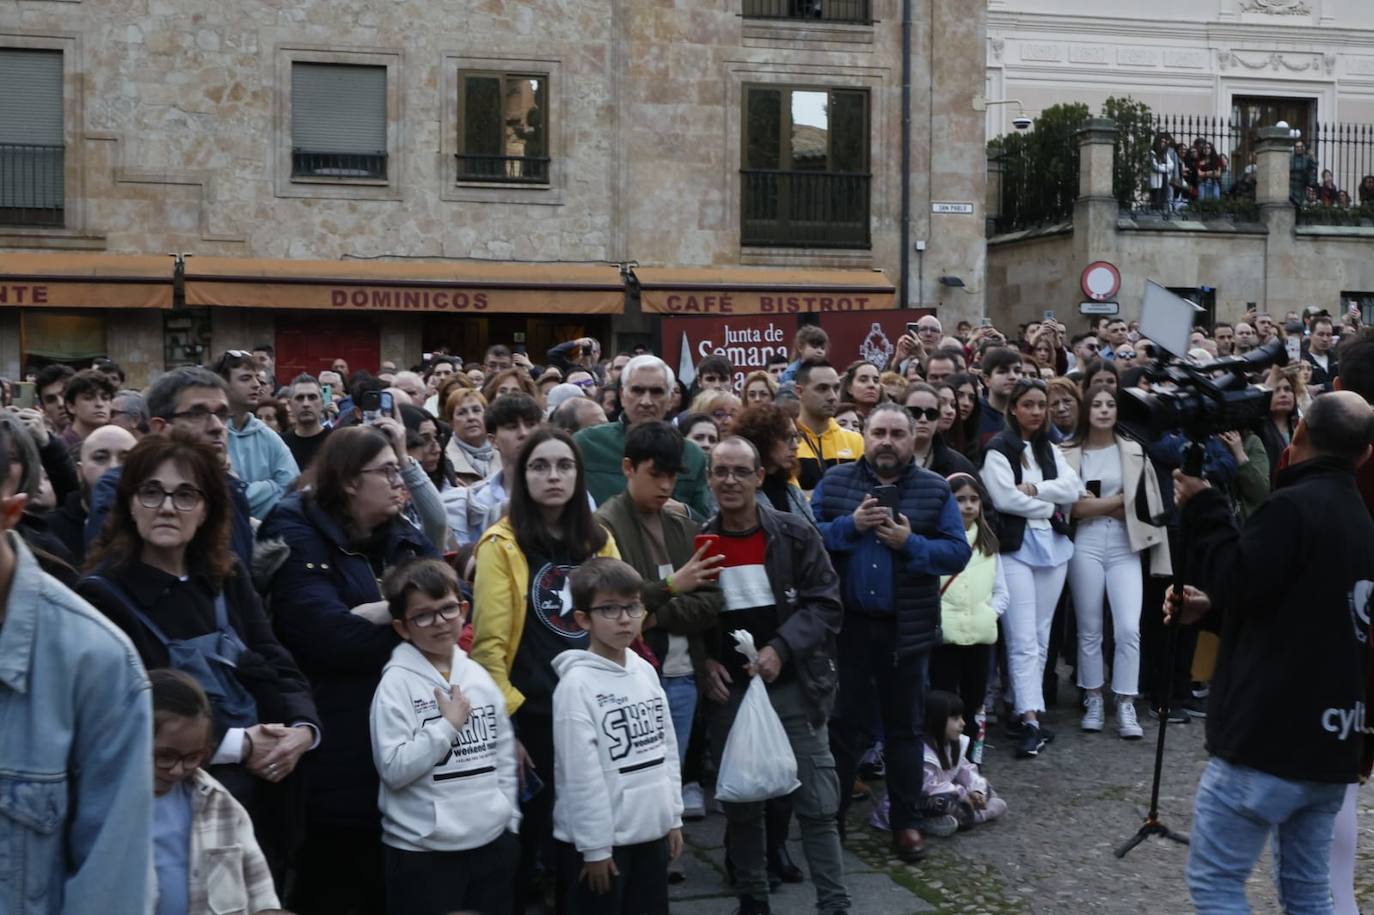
[[1209, 189], [682, 706], [1237, 810]]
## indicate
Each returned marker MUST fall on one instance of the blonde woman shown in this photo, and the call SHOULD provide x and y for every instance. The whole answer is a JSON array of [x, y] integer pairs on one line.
[[759, 387], [469, 450], [721, 406]]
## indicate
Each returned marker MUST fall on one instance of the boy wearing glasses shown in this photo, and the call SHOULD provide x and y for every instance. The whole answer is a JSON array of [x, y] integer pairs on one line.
[[618, 813], [445, 751]]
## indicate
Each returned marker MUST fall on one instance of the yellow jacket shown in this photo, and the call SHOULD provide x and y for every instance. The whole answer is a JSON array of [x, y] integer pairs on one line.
[[818, 453], [499, 598]]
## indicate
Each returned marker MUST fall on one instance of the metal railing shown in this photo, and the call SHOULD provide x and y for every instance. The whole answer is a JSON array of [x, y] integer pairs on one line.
[[307, 163], [32, 184], [1039, 182], [1197, 186], [804, 209], [1347, 151], [518, 169], [819, 10]]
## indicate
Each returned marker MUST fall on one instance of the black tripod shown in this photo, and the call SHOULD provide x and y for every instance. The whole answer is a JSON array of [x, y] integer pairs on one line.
[[1192, 466]]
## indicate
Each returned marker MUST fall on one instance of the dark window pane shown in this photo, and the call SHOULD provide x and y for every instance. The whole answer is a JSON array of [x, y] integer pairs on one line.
[[482, 115], [810, 144], [763, 129], [849, 132]]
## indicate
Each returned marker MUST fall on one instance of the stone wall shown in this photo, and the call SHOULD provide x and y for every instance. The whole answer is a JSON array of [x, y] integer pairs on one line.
[[179, 129]]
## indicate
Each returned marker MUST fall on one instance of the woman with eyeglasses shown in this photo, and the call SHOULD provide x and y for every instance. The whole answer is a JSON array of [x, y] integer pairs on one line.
[[205, 856], [163, 572], [1118, 481], [931, 451], [343, 531], [510, 381], [774, 433], [522, 612], [469, 451], [721, 406], [1066, 403], [1028, 480]]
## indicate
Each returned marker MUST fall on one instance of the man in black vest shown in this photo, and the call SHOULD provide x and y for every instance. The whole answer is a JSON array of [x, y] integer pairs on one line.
[[889, 561]]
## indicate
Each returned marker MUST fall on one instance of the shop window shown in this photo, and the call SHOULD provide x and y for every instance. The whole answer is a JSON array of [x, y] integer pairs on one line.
[[32, 150], [503, 133], [72, 338], [806, 177], [338, 121]]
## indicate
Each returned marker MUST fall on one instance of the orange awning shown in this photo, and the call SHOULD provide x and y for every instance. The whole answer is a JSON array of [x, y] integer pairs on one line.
[[469, 287], [761, 291], [82, 280]]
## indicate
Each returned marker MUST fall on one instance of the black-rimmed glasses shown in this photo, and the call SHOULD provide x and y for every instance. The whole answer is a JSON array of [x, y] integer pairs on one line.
[[615, 611], [448, 613], [184, 498]]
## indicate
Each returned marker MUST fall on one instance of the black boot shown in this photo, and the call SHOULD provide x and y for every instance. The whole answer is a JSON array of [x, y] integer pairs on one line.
[[781, 866], [778, 820]]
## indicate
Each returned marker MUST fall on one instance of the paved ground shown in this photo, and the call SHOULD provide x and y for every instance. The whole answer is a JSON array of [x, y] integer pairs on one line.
[[1051, 854]]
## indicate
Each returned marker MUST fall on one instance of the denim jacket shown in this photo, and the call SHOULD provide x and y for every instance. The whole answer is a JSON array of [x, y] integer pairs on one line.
[[76, 774]]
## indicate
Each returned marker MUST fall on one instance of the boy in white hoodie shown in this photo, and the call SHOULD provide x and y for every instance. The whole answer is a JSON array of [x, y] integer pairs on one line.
[[445, 751], [618, 812]]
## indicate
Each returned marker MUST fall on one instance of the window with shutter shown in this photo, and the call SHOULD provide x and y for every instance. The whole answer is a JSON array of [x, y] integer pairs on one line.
[[806, 180], [503, 127], [32, 151], [338, 121]]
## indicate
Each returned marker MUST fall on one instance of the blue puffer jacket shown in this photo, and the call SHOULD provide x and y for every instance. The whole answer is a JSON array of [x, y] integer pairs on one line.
[[342, 654], [882, 582]]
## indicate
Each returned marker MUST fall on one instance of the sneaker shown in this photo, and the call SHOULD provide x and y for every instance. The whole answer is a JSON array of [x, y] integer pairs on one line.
[[1031, 742], [1095, 716], [693, 802], [1126, 724], [1195, 707], [1176, 715], [942, 826]]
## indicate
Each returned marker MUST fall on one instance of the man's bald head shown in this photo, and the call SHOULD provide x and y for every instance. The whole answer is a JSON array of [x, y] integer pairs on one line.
[[1339, 424], [103, 449]]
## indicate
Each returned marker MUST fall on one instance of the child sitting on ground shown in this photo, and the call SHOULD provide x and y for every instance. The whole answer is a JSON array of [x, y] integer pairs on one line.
[[953, 796], [617, 812]]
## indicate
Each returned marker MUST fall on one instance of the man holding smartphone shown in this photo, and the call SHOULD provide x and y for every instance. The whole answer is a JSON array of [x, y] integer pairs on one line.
[[892, 529]]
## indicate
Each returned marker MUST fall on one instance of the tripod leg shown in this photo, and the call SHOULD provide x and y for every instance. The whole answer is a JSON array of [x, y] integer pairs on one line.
[[1125, 848]]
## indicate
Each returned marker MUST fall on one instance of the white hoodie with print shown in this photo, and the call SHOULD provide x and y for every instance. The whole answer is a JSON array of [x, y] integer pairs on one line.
[[443, 788], [616, 769]]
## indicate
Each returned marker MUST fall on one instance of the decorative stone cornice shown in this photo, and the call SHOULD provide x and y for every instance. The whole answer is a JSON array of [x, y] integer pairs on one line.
[[1277, 7]]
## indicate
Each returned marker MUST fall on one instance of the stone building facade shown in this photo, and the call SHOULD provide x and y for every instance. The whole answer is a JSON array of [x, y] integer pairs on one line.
[[1306, 58], [181, 130]]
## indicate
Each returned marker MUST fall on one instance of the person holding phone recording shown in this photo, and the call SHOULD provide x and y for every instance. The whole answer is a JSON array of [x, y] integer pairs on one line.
[[893, 528], [1119, 483]]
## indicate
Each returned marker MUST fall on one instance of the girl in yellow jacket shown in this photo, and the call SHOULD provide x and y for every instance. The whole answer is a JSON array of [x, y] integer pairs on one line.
[[971, 603], [522, 615]]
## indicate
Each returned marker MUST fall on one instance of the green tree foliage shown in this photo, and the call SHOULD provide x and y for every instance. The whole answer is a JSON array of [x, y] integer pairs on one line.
[[1135, 133], [1040, 169]]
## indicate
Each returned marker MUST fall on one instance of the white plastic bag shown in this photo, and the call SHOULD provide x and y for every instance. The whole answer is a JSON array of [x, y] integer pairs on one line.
[[757, 762]]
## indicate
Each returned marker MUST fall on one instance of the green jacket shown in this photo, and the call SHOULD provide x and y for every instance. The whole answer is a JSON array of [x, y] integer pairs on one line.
[[681, 614], [603, 448]]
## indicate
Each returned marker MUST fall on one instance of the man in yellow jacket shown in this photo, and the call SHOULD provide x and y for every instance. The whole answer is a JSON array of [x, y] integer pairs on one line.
[[823, 443]]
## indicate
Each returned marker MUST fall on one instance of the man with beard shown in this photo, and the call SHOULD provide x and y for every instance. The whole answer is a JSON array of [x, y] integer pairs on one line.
[[892, 529]]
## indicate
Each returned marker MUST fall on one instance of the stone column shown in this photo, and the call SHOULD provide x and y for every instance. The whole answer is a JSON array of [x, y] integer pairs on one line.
[[1273, 155], [1095, 212], [996, 166]]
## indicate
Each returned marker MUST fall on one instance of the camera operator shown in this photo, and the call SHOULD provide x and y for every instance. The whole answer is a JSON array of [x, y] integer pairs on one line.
[[1287, 699]]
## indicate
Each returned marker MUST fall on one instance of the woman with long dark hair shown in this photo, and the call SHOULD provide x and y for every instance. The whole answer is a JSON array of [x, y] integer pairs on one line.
[[963, 434], [774, 433], [862, 386], [1106, 556], [1276, 429], [1027, 480], [343, 531], [162, 571], [522, 618]]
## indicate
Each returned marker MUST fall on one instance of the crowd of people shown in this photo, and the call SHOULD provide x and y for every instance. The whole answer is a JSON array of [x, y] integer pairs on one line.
[[462, 635]]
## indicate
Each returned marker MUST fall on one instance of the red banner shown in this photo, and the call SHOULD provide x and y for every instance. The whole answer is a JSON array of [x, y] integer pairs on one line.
[[748, 342], [871, 337]]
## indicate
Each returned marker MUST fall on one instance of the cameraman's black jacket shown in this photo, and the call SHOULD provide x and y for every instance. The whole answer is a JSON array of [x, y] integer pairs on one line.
[[1290, 593]]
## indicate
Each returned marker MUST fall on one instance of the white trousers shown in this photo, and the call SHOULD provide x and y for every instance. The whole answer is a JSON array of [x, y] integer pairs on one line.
[[1034, 593], [1103, 563]]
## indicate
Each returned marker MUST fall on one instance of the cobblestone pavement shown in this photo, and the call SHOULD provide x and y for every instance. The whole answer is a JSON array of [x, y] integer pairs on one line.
[[1052, 853]]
